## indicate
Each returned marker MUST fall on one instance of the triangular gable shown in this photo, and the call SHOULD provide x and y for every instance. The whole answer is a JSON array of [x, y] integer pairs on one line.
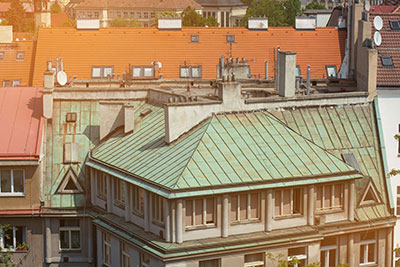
[[370, 196], [70, 184]]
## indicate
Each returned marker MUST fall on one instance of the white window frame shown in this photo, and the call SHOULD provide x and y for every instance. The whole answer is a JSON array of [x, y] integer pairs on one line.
[[291, 202], [102, 72], [125, 255], [14, 230], [106, 238], [142, 71], [190, 72], [249, 218], [16, 83], [204, 217], [12, 193], [366, 244], [327, 250], [323, 208], [69, 229]]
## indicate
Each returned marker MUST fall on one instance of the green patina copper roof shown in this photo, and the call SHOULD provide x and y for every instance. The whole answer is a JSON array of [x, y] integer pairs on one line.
[[225, 150], [349, 129]]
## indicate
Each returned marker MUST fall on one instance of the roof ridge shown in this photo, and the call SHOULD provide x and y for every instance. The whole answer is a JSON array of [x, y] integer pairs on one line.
[[194, 150], [310, 141]]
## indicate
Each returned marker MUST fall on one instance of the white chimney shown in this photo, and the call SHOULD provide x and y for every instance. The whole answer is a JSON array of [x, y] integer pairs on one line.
[[258, 24], [305, 23], [169, 23], [286, 73], [88, 24]]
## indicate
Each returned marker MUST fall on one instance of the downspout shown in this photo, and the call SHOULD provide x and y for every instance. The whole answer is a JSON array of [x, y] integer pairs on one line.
[[345, 67]]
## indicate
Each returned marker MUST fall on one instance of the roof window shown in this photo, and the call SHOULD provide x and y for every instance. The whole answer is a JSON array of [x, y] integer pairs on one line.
[[20, 55], [387, 61], [331, 72], [394, 25], [190, 72], [350, 159], [230, 38], [194, 38], [143, 71], [99, 72]]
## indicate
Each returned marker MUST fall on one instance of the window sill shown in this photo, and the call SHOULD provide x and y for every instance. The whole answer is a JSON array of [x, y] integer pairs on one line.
[[119, 204], [245, 222], [199, 227], [284, 217], [102, 197], [328, 211], [12, 194], [369, 264]]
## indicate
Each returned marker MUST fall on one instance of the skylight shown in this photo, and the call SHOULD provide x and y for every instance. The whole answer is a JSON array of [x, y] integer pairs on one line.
[[394, 25], [350, 159], [230, 38], [387, 61]]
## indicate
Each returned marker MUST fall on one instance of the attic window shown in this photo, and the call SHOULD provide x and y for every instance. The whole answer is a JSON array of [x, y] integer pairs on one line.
[[370, 196], [331, 72], [1, 55], [194, 38], [387, 61], [190, 72], [394, 25], [99, 72], [350, 159], [20, 55], [230, 38], [71, 117], [143, 71]]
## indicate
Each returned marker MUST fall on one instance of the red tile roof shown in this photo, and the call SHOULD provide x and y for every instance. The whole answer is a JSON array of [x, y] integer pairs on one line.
[[121, 47], [22, 123], [390, 46], [152, 4], [382, 9], [60, 20]]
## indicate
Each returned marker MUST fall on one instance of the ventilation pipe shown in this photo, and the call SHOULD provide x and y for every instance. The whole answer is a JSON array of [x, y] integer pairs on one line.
[[308, 79]]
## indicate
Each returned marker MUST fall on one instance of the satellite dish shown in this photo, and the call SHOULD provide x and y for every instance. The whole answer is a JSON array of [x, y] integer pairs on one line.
[[61, 78], [378, 23], [377, 38], [367, 6]]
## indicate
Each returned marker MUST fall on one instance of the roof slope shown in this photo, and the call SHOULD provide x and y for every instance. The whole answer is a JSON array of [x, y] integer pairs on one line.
[[390, 46], [151, 4], [22, 121], [350, 129], [121, 47], [224, 150]]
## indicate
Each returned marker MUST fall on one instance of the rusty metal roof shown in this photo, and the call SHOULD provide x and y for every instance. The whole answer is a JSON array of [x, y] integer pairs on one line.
[[232, 150]]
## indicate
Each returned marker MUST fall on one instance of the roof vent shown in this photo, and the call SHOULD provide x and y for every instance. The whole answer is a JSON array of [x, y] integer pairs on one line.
[[305, 23], [88, 24], [365, 16], [170, 24], [260, 24]]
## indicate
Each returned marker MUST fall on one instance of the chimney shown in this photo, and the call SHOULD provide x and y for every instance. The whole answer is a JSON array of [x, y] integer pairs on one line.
[[6, 34], [286, 73], [129, 118], [48, 92]]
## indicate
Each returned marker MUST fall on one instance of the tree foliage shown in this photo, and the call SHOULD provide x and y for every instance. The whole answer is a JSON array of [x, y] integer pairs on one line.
[[190, 18], [125, 22], [278, 13], [315, 5], [56, 8], [15, 16]]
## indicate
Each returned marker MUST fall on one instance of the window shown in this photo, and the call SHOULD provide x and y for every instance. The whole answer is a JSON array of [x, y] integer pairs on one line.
[[119, 192], [89, 14], [157, 203], [288, 202], [367, 248], [101, 185], [230, 38], [118, 14], [298, 71], [254, 260], [126, 14], [6, 83], [394, 25], [81, 14], [125, 255], [331, 72], [96, 14], [102, 71], [299, 254], [329, 197], [111, 14], [70, 117], [210, 263], [139, 15], [245, 207], [143, 71], [194, 38], [144, 260], [200, 212], [11, 237], [70, 234], [106, 249], [138, 200], [12, 182], [152, 15], [387, 62], [15, 83], [190, 71], [329, 252], [1, 55], [146, 15]]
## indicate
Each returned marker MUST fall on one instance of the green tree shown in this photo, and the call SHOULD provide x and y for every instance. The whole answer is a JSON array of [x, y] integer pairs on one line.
[[315, 5], [190, 18], [293, 9], [125, 22], [274, 10], [16, 16], [56, 8]]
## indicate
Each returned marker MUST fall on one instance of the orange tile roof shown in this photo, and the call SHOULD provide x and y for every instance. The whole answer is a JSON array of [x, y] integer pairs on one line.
[[60, 20], [22, 121], [13, 69], [121, 47]]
